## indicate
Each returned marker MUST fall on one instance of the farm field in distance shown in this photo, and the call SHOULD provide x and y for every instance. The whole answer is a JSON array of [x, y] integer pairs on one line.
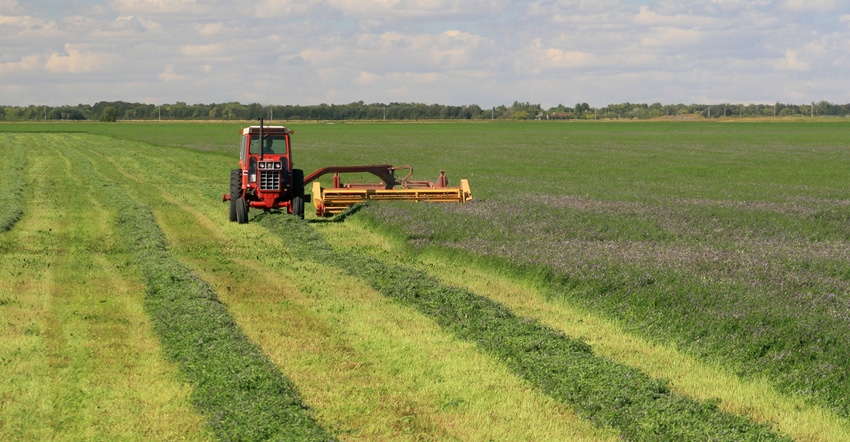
[[611, 280]]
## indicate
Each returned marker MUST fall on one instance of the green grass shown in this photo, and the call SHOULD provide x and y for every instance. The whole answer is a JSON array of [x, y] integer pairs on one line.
[[370, 368], [13, 162], [201, 136], [78, 357], [526, 297], [725, 240], [608, 393], [241, 393], [356, 374]]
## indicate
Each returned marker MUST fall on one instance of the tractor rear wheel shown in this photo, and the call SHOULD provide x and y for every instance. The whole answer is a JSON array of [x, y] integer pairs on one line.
[[241, 211], [298, 206], [235, 191], [298, 193]]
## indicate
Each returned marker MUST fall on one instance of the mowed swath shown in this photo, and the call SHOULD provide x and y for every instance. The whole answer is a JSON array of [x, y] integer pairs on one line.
[[370, 369], [79, 359]]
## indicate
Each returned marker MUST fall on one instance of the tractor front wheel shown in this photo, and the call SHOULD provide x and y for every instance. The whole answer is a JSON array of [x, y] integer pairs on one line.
[[233, 212], [241, 211], [235, 191]]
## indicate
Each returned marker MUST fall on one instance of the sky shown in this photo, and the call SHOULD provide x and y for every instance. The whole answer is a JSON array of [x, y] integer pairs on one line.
[[489, 53]]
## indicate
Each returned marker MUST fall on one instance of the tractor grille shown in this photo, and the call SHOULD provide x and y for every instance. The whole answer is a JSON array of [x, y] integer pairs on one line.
[[270, 180]]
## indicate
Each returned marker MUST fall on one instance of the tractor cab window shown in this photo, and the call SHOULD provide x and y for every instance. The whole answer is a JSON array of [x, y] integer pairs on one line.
[[273, 144]]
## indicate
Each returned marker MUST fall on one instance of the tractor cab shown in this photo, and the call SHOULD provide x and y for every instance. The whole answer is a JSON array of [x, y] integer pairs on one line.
[[275, 143]]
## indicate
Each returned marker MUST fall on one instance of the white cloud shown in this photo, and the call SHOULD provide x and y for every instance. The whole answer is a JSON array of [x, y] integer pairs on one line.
[[26, 63], [78, 61], [205, 50], [792, 62], [11, 7], [210, 29], [169, 75], [289, 8], [672, 37], [135, 23], [819, 6], [408, 8], [540, 58], [368, 78], [647, 17], [156, 6], [26, 26], [396, 52]]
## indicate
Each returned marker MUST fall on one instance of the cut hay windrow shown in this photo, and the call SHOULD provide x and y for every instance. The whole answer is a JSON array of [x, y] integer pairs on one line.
[[13, 160], [241, 393], [608, 393]]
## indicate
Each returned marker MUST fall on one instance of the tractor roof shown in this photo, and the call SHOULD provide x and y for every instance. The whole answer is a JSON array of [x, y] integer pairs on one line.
[[266, 130]]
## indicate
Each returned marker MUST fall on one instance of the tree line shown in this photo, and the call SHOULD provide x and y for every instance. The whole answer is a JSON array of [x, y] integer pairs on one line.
[[120, 110]]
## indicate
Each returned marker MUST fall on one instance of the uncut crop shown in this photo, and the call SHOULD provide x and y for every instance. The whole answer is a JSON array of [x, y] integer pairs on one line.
[[735, 252]]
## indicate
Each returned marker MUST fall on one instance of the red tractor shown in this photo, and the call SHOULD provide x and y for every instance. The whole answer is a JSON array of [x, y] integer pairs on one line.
[[265, 178]]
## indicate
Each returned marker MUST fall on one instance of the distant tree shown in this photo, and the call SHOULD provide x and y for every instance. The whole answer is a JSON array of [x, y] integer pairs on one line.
[[109, 114], [519, 115]]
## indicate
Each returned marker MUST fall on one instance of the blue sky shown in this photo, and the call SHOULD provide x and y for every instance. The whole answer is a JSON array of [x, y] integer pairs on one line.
[[488, 53]]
